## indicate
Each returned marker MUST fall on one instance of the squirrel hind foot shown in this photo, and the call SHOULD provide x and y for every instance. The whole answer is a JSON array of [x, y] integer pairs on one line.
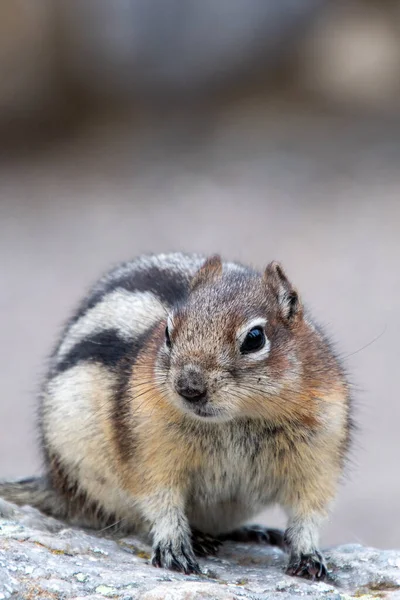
[[256, 534], [204, 544]]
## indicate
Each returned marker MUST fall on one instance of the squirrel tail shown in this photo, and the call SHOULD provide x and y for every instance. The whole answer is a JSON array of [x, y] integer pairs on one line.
[[36, 492]]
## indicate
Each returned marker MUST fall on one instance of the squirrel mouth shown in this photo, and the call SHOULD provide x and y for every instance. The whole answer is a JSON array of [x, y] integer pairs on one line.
[[203, 410]]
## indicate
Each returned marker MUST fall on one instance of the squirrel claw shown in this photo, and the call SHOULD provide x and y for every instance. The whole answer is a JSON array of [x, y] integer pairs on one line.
[[204, 544], [176, 558], [308, 566]]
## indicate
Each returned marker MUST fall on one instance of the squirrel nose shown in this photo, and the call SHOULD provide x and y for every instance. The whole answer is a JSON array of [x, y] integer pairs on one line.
[[191, 385]]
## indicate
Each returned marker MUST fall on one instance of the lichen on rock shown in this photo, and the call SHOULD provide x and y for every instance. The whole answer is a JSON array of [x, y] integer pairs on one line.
[[44, 558]]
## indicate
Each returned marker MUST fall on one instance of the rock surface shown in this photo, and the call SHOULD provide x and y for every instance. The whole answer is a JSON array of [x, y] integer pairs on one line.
[[43, 558]]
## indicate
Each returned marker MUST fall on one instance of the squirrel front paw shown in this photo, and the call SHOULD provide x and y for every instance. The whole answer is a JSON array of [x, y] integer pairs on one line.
[[310, 566], [175, 556]]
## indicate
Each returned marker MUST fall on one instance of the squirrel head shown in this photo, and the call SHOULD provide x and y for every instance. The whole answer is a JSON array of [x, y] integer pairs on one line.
[[236, 345]]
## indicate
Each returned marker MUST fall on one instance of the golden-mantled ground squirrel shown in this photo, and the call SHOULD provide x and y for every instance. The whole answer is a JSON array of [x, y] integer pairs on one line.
[[186, 395]]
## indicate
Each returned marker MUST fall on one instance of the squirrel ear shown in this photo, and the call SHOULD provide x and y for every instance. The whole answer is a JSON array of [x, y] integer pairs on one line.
[[208, 272], [286, 295]]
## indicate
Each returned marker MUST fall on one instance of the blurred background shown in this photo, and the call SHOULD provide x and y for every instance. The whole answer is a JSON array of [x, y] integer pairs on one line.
[[262, 129]]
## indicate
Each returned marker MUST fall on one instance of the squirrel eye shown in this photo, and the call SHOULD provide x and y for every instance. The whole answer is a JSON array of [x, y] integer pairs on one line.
[[167, 338], [254, 340]]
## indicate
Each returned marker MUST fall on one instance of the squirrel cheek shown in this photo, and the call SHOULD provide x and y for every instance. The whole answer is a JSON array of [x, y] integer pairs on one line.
[[279, 364]]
